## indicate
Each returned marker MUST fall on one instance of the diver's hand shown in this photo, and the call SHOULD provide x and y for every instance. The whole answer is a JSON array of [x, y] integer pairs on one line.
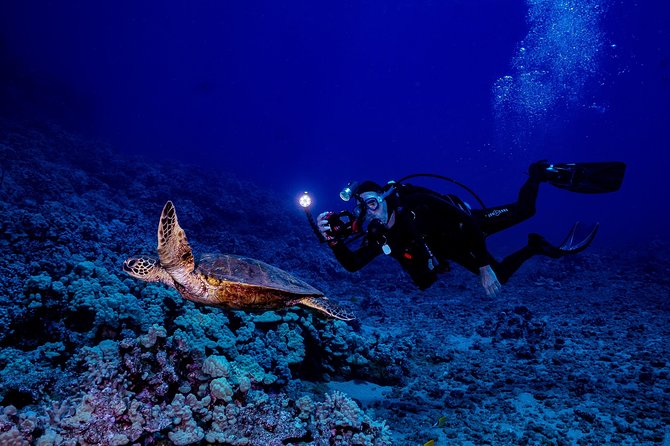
[[323, 225], [489, 281]]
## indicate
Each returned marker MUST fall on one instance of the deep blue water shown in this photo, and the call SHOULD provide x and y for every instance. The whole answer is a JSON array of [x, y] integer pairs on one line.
[[299, 96]]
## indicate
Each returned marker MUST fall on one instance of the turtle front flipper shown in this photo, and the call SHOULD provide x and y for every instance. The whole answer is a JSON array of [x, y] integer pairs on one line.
[[176, 257], [173, 248], [325, 306]]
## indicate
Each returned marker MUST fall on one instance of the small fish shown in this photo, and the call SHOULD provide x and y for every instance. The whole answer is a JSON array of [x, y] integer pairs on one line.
[[441, 421], [429, 443]]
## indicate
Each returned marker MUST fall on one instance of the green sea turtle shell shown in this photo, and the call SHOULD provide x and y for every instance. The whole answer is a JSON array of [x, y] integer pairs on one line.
[[239, 269]]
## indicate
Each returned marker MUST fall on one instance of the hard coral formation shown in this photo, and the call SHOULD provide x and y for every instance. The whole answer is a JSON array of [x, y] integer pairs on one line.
[[154, 386], [341, 422]]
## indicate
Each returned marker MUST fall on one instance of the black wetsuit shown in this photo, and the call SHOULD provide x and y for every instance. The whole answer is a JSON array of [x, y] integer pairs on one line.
[[431, 229]]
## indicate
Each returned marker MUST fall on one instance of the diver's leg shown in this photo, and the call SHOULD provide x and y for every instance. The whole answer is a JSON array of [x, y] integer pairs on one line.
[[492, 220], [469, 263], [507, 267], [512, 262], [537, 245], [504, 269]]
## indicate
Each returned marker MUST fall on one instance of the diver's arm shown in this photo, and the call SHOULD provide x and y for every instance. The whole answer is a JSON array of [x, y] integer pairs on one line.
[[483, 259], [351, 260], [354, 260], [476, 241], [480, 254]]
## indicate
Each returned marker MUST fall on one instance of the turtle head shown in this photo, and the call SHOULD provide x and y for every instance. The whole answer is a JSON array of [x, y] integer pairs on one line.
[[147, 269]]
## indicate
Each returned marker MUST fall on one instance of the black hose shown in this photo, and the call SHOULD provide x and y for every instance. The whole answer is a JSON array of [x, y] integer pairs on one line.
[[441, 177]]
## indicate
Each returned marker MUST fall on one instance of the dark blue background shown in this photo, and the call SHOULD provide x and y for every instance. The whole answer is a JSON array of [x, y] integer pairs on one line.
[[300, 95]]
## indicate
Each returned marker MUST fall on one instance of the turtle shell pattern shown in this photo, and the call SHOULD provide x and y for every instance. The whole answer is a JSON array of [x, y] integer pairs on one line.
[[243, 282]]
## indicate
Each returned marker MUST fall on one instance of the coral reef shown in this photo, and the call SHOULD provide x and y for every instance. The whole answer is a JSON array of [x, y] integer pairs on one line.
[[88, 356], [156, 386]]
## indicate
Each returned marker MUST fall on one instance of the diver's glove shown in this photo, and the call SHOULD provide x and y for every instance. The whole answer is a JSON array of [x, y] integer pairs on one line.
[[490, 281], [324, 227]]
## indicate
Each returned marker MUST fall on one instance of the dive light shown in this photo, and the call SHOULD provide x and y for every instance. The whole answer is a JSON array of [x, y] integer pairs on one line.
[[348, 191], [305, 200]]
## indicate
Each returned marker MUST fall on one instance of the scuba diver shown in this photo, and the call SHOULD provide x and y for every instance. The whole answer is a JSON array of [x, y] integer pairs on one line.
[[424, 230]]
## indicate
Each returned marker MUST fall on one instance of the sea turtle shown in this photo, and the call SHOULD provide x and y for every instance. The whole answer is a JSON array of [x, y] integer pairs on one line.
[[224, 280]]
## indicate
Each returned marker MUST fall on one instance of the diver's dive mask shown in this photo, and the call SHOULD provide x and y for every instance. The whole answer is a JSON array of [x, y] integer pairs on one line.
[[372, 203], [366, 202], [369, 197]]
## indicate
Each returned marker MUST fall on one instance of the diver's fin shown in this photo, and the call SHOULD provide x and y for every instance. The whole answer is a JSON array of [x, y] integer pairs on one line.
[[587, 178], [569, 245]]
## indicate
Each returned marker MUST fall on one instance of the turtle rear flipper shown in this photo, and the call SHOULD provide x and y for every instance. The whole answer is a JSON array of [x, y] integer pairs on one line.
[[325, 306], [173, 248]]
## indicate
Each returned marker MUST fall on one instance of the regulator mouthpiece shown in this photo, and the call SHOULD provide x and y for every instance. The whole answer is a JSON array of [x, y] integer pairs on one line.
[[305, 200], [348, 191]]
